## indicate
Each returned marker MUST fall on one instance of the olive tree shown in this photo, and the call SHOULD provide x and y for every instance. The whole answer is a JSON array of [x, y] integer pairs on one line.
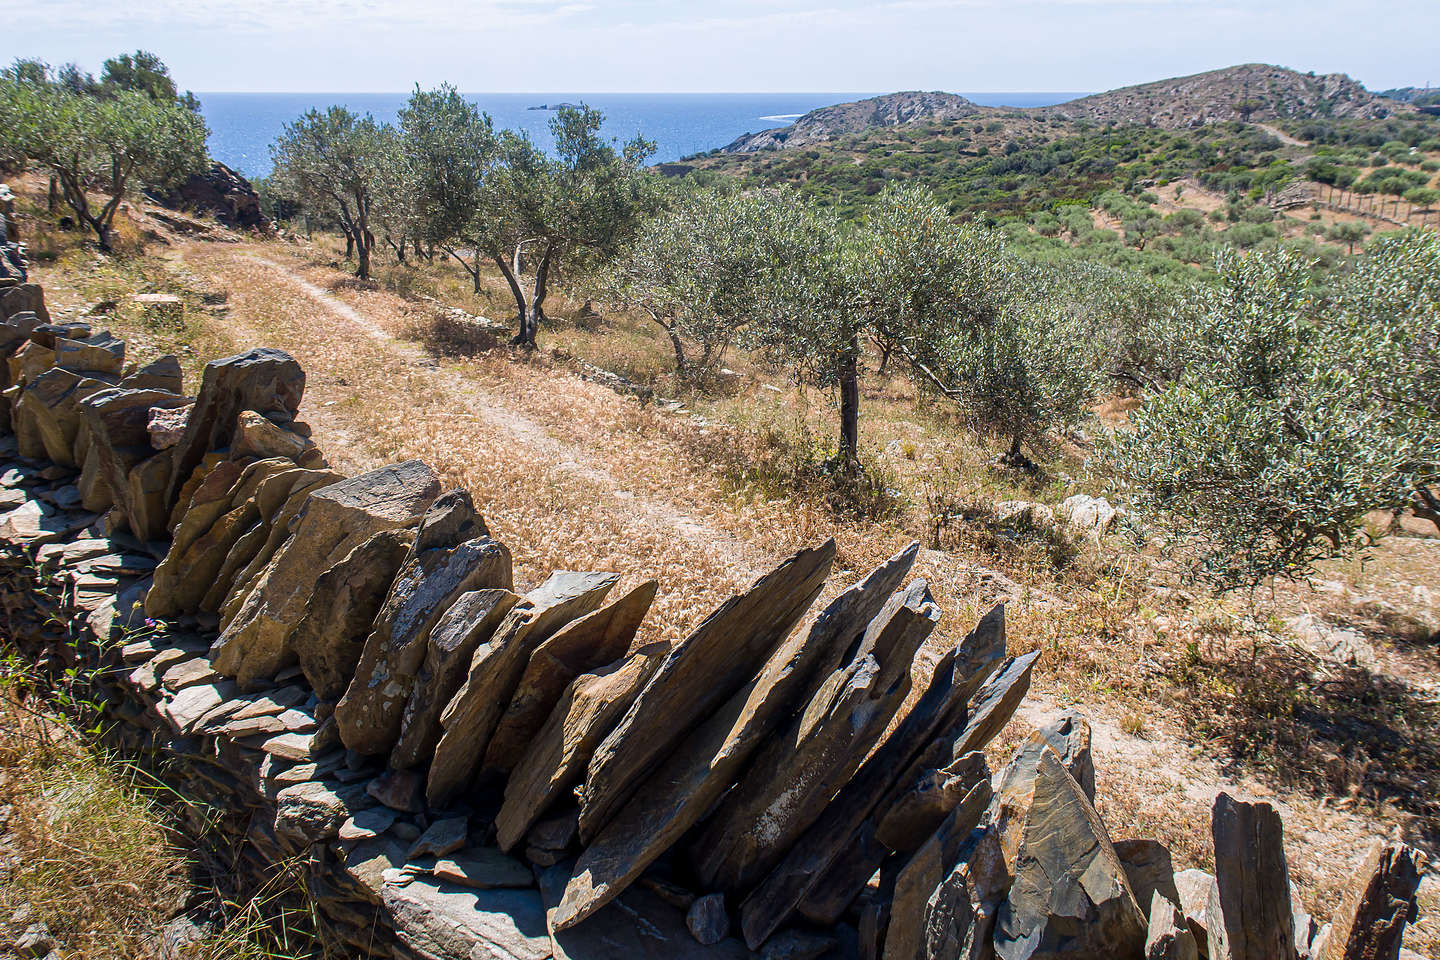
[[145, 73], [99, 144], [536, 212], [805, 297], [1005, 341], [336, 162], [1300, 410], [693, 270], [449, 147], [1383, 332]]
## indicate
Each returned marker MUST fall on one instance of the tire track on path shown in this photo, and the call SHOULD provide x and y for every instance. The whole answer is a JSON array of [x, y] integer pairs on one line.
[[491, 410]]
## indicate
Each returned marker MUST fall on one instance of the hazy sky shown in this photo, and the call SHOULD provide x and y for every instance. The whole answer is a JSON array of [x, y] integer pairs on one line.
[[746, 45]]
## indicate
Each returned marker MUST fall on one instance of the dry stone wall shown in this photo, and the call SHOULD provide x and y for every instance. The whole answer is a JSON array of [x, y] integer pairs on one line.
[[344, 672]]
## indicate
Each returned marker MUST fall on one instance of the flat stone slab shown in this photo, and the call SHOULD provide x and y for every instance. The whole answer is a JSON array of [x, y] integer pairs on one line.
[[441, 837], [290, 746], [367, 824], [444, 921], [192, 703], [188, 674], [483, 868], [34, 523]]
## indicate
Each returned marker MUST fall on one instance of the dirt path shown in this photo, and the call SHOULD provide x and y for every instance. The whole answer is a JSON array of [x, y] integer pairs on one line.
[[1282, 136], [493, 412]]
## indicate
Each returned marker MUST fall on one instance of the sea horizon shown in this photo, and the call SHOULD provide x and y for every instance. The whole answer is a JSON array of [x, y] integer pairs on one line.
[[243, 125]]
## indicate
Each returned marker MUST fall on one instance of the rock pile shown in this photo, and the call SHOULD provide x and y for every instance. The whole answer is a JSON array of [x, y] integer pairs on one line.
[[221, 192], [346, 669]]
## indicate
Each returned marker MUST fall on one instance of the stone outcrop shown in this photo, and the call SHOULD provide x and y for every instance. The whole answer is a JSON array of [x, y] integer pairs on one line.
[[343, 675], [221, 193]]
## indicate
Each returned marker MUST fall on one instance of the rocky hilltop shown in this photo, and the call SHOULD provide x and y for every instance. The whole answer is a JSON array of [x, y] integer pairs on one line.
[[1251, 91], [829, 123]]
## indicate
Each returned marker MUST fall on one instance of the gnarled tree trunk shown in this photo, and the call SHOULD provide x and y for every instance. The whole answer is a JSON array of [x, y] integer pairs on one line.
[[529, 309]]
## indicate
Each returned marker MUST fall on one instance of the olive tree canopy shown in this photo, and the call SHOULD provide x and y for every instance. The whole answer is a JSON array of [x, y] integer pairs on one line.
[[100, 143]]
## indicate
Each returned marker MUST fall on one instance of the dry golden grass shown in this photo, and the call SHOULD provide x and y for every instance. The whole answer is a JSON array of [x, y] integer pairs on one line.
[[87, 848], [87, 852]]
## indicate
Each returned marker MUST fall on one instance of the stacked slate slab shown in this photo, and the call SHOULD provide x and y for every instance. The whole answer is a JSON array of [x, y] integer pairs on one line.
[[345, 671]]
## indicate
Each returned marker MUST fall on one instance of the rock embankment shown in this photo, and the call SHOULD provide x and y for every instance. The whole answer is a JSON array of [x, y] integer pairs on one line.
[[342, 672]]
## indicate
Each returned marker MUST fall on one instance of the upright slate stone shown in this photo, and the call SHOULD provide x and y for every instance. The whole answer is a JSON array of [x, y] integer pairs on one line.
[[1370, 924], [264, 380], [495, 668], [342, 609], [834, 859], [470, 621], [695, 775], [1070, 896], [24, 298], [582, 645], [1249, 912], [588, 710], [452, 554], [254, 644], [795, 774], [928, 867], [699, 675]]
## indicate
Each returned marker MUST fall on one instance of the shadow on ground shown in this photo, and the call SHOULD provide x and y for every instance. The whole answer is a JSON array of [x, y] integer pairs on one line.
[[1329, 731]]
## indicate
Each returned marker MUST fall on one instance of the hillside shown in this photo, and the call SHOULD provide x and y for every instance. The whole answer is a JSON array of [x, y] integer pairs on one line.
[[1251, 91], [1182, 701], [829, 123], [1136, 177]]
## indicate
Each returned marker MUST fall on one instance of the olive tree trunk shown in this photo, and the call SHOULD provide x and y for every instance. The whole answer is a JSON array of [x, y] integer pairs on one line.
[[850, 405]]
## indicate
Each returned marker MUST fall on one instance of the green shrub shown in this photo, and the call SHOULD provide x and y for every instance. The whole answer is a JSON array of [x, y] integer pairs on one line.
[[1299, 411]]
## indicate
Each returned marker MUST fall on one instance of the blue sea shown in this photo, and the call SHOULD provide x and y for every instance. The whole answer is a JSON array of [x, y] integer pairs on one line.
[[243, 125]]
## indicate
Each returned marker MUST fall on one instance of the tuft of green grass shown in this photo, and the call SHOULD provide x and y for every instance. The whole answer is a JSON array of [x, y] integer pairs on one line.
[[93, 849]]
